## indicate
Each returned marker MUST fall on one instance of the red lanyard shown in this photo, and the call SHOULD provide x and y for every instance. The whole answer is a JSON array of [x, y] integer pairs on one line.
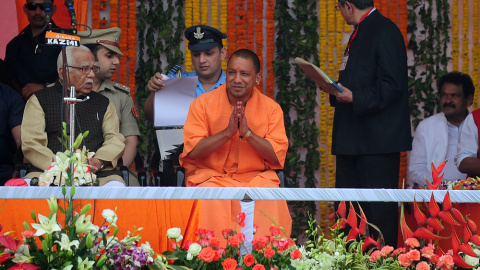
[[356, 30]]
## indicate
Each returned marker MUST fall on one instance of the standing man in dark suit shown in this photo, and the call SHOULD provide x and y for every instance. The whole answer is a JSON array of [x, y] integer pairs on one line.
[[372, 123]]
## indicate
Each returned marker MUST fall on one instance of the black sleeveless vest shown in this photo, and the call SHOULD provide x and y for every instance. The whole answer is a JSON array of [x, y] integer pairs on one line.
[[89, 116]]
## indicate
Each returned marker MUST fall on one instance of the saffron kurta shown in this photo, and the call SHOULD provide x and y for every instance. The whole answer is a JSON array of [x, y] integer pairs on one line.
[[236, 163]]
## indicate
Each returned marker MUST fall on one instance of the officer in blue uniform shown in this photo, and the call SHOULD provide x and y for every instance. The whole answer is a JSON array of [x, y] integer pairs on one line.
[[207, 52]]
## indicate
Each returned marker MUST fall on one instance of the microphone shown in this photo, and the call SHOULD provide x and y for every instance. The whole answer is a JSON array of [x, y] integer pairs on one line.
[[48, 10], [71, 11]]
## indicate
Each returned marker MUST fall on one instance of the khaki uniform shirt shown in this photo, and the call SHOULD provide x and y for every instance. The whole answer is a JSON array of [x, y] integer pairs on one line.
[[119, 95]]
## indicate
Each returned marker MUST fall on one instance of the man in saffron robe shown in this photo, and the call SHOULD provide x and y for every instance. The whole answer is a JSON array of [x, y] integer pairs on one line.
[[234, 136]]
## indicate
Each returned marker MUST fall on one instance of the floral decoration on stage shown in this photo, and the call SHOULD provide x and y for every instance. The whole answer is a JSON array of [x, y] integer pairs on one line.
[[69, 168], [67, 239], [270, 252]]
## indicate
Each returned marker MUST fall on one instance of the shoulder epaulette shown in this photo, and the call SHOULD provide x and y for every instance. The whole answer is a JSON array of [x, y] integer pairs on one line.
[[122, 87]]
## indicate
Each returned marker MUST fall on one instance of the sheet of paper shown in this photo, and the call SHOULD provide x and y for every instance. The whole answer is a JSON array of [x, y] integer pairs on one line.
[[167, 139], [172, 102]]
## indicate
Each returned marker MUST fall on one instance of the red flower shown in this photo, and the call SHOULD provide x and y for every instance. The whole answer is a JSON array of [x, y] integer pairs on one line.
[[207, 254], [275, 231], [4, 257], [226, 233], [233, 241], [241, 219], [24, 266], [201, 232], [248, 260], [217, 256], [296, 254], [214, 242], [8, 241], [16, 182], [269, 253], [260, 243], [229, 264], [258, 267], [255, 228]]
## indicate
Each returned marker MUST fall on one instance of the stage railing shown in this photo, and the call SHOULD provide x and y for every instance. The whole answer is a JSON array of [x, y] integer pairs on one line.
[[228, 193]]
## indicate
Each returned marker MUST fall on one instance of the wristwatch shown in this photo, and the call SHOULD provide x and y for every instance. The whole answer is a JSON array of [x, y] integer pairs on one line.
[[103, 165]]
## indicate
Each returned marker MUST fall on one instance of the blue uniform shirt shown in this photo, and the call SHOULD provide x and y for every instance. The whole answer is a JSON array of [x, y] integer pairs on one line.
[[199, 90]]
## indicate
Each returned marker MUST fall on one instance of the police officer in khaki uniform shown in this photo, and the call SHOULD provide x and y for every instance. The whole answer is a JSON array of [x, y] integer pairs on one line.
[[104, 44]]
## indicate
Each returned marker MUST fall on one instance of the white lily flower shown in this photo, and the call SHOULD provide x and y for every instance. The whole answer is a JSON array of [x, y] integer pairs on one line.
[[85, 264], [83, 225], [22, 255], [65, 243], [46, 226]]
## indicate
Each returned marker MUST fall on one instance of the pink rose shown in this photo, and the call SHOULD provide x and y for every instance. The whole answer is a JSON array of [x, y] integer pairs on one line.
[[214, 242], [275, 231], [201, 232], [226, 233], [283, 244], [241, 219], [427, 251], [375, 256]]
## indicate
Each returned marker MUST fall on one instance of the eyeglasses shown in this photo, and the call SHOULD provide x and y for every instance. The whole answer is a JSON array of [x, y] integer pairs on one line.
[[34, 6], [86, 69]]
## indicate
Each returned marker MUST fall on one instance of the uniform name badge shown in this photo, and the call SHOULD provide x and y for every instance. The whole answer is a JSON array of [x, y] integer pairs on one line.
[[344, 62]]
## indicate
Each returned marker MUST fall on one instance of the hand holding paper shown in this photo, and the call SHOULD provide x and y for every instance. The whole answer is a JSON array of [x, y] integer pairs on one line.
[[318, 76]]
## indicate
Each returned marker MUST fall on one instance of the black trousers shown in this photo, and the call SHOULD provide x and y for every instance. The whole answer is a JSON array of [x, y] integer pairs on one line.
[[373, 172]]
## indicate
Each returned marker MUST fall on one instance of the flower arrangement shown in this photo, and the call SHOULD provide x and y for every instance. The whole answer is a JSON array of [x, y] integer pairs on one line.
[[272, 252], [75, 243], [69, 168]]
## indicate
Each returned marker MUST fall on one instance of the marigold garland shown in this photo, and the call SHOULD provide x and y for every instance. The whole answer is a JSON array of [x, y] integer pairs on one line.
[[270, 30], [241, 25], [465, 38], [123, 21], [259, 38], [232, 26], [455, 39], [476, 51], [214, 13], [113, 13], [224, 26], [188, 22], [132, 46], [250, 25], [204, 12], [95, 14]]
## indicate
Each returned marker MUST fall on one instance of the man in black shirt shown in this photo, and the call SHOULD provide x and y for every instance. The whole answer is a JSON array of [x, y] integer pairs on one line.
[[32, 63]]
